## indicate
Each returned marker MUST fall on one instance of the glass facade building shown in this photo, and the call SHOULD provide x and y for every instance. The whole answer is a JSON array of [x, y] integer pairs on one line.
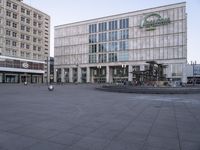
[[109, 48]]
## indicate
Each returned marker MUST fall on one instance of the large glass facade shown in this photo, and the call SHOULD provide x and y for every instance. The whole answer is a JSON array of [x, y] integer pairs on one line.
[[109, 41]]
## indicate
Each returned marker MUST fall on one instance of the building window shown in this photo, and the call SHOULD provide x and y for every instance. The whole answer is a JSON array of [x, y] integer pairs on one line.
[[28, 29], [93, 48], [103, 47], [92, 28], [39, 25], [92, 58], [22, 54], [22, 19], [34, 31], [28, 21], [39, 33], [34, 56], [8, 13], [27, 46], [8, 42], [14, 16], [34, 23], [28, 12], [124, 23], [22, 27], [113, 36], [14, 34], [22, 36], [14, 43], [113, 46], [27, 55], [123, 45], [23, 10], [112, 57], [34, 47], [22, 45], [14, 25], [27, 38], [113, 25], [39, 17], [102, 58], [15, 6], [102, 37], [39, 48], [124, 34], [34, 39], [8, 23], [8, 4], [34, 15], [8, 32], [123, 56], [93, 38], [39, 41], [102, 26]]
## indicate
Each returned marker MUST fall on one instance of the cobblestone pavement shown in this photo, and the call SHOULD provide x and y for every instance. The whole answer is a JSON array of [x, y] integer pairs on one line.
[[78, 117]]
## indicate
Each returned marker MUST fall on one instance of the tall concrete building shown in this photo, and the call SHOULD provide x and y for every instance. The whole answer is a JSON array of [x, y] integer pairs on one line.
[[24, 43], [108, 49]]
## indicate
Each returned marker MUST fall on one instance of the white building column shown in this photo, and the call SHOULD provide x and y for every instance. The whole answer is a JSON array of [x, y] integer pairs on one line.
[[62, 75], [142, 68], [184, 77], [70, 75], [55, 75], [107, 74], [169, 71], [79, 74], [130, 74], [88, 75]]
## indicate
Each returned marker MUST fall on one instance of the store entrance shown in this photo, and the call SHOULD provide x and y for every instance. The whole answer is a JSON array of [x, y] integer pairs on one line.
[[25, 78]]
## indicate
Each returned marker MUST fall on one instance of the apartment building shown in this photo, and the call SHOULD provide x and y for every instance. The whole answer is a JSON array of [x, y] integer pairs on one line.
[[24, 43]]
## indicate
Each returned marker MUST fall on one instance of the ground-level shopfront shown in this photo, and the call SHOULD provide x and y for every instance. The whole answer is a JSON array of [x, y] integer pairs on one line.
[[116, 72], [20, 77], [16, 70]]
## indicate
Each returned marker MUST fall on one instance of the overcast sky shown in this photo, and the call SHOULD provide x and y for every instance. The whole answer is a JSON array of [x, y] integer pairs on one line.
[[68, 11]]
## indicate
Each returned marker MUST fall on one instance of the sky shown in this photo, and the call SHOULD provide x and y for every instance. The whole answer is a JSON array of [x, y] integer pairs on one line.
[[68, 11]]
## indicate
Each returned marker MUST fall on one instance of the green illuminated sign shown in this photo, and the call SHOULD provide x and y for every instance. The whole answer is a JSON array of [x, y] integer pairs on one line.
[[151, 21]]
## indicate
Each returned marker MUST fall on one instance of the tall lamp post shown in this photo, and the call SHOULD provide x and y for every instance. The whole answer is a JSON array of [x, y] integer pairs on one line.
[[56, 75], [124, 70], [99, 69], [193, 73]]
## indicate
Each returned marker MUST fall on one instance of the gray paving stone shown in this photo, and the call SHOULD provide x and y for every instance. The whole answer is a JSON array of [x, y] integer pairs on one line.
[[163, 143], [17, 143], [188, 145], [89, 143], [45, 146], [66, 138], [78, 117]]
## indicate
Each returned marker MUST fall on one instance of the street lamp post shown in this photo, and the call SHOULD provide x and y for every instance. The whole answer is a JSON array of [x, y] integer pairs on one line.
[[193, 74], [99, 69], [123, 70], [56, 75]]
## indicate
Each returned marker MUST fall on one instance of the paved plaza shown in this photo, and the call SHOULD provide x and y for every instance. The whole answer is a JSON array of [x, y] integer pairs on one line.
[[78, 117]]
